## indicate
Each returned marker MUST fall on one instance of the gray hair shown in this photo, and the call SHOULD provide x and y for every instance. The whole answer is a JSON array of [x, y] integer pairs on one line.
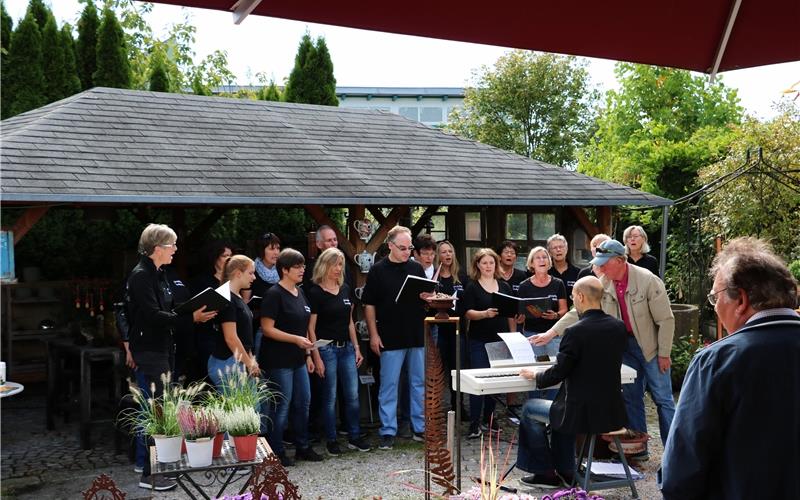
[[155, 235], [627, 232], [319, 236], [557, 237], [599, 238], [750, 264]]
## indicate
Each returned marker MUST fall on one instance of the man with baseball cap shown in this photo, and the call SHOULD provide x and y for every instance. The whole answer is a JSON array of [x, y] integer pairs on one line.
[[639, 299]]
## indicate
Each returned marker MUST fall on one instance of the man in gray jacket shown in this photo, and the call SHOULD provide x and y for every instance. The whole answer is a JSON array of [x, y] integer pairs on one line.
[[639, 299]]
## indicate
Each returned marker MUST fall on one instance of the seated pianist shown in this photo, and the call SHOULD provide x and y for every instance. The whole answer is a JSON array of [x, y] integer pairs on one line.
[[588, 366]]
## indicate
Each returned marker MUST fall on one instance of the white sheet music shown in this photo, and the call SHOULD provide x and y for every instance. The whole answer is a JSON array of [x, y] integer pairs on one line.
[[225, 290], [521, 349]]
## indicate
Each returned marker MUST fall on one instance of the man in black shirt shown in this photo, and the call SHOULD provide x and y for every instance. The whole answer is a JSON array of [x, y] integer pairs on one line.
[[562, 269], [396, 334]]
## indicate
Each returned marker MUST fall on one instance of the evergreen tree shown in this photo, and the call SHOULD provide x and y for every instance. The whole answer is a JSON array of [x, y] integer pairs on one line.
[[113, 69], [25, 83], [53, 62], [6, 25], [296, 86], [86, 48], [72, 84], [270, 92], [41, 12], [159, 80], [322, 70], [311, 80]]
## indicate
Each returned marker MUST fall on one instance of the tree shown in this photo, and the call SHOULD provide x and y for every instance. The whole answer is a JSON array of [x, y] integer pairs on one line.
[[311, 80], [86, 47], [270, 92], [26, 78], [536, 105], [72, 84], [159, 80], [212, 73], [41, 12], [660, 128], [55, 77], [113, 69], [6, 26]]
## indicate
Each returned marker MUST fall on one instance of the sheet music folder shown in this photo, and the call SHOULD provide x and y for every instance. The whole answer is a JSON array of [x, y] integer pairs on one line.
[[214, 300], [500, 357], [509, 306], [412, 287]]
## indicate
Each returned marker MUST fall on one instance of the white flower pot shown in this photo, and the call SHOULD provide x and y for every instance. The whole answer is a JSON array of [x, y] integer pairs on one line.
[[168, 448], [200, 452]]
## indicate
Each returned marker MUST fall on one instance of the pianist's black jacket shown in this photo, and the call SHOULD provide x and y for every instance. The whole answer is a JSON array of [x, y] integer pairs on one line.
[[588, 365]]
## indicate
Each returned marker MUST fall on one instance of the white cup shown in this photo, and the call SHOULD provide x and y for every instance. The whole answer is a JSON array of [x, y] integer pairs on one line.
[[2, 372]]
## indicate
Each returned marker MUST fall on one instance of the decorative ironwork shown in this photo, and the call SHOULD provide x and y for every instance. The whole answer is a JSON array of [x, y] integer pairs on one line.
[[438, 463], [103, 488], [270, 478]]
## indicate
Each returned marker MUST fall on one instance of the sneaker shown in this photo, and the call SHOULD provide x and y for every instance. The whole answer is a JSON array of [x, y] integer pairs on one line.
[[285, 460], [358, 444], [308, 455], [387, 443], [474, 432], [419, 437], [547, 481], [333, 449], [138, 469], [495, 427], [157, 483]]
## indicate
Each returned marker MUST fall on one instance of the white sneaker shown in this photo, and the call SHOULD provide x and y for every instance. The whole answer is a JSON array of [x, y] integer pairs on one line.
[[138, 469]]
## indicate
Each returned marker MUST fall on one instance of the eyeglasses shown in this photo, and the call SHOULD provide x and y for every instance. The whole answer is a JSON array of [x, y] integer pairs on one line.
[[402, 248], [299, 266], [169, 245], [712, 297]]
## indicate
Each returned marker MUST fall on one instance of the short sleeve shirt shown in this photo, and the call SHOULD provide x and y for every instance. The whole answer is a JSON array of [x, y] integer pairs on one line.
[[554, 290], [291, 315], [333, 312], [237, 312]]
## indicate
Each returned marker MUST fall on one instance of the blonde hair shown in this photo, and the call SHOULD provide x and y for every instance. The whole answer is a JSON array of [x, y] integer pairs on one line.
[[395, 231], [235, 263], [597, 239], [455, 267], [474, 272], [326, 260], [533, 253]]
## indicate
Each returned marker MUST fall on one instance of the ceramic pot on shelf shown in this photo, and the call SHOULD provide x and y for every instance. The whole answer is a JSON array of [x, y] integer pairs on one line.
[[199, 452], [168, 448]]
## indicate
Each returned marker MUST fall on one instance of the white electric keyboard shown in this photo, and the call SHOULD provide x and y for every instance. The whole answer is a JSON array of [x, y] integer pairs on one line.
[[480, 381]]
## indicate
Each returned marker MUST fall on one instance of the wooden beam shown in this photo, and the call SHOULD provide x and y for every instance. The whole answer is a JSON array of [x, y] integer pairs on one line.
[[423, 219], [27, 220], [583, 219], [604, 220], [377, 214], [321, 218], [391, 220]]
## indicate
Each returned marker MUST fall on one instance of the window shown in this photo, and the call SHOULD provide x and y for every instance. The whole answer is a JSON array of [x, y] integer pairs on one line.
[[431, 115], [516, 226], [472, 224], [439, 231], [544, 225], [579, 251], [470, 252], [412, 113]]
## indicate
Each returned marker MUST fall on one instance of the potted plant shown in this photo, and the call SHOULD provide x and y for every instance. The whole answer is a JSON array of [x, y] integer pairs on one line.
[[243, 424], [199, 427]]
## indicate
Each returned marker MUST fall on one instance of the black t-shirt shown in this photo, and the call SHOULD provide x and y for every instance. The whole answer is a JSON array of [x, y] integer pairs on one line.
[[450, 287], [517, 277], [647, 261], [399, 325], [333, 311], [586, 271], [555, 290], [478, 299], [291, 315], [237, 312], [569, 277]]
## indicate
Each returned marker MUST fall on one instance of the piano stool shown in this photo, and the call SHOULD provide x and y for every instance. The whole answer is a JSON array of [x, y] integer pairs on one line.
[[584, 478]]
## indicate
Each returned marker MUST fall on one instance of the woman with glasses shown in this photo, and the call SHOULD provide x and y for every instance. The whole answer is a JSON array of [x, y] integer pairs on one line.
[[483, 328], [507, 253], [286, 356], [269, 247], [637, 247], [336, 363]]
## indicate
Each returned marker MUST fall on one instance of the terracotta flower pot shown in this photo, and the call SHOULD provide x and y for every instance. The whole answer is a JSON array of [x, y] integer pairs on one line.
[[246, 447], [217, 452]]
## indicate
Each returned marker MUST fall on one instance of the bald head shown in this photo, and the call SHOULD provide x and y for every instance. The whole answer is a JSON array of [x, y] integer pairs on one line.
[[587, 293]]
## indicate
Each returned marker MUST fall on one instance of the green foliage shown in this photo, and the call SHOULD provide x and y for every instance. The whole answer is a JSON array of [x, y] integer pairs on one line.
[[536, 105], [794, 268], [211, 73], [270, 92], [113, 69], [311, 80], [660, 128], [767, 204], [53, 64], [683, 351], [159, 79], [6, 25], [41, 12], [72, 84], [86, 47], [25, 81]]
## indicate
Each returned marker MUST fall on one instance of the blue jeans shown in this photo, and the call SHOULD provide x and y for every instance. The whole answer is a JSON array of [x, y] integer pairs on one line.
[[479, 359], [549, 349], [391, 363], [340, 366], [294, 388], [658, 384], [217, 367], [535, 454]]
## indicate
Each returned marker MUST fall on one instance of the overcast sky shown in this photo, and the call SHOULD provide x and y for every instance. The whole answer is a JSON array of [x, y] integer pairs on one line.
[[370, 59]]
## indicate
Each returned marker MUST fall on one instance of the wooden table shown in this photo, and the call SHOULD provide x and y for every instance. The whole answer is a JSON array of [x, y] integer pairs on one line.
[[224, 470]]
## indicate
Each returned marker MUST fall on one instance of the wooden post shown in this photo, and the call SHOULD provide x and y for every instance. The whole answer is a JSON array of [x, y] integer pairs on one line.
[[604, 220], [27, 220]]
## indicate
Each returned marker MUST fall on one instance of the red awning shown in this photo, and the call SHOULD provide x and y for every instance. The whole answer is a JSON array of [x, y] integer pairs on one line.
[[677, 33]]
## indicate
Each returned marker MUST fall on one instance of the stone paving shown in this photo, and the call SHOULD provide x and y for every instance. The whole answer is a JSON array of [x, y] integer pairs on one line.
[[39, 464]]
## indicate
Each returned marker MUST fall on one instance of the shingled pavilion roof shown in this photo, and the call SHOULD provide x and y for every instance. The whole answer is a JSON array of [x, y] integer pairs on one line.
[[112, 146]]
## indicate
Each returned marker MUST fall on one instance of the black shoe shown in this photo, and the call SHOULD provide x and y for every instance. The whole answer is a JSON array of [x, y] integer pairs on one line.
[[333, 449], [285, 460], [157, 483], [404, 431], [419, 437], [308, 455], [387, 443], [358, 444], [474, 432], [549, 480], [642, 456]]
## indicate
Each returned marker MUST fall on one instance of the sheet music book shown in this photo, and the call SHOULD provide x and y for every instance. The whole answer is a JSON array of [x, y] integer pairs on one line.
[[214, 300], [412, 287], [509, 306], [521, 350]]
